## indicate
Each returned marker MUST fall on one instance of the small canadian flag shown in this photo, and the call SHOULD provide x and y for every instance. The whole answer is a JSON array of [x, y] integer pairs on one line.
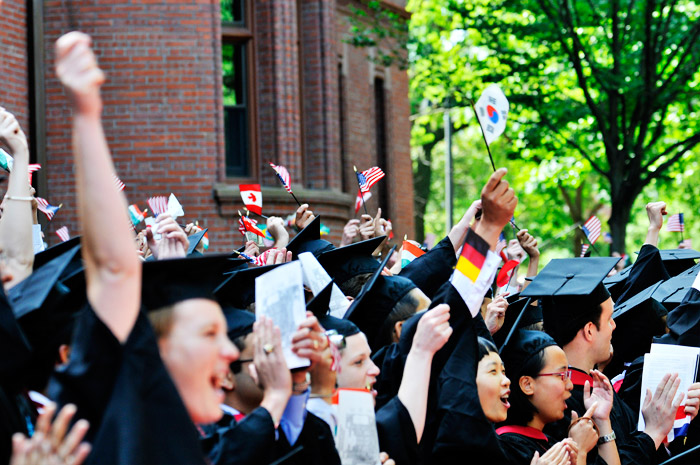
[[252, 197]]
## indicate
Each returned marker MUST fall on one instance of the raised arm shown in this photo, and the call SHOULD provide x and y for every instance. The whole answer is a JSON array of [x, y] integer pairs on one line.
[[432, 333], [16, 222], [655, 212], [112, 268]]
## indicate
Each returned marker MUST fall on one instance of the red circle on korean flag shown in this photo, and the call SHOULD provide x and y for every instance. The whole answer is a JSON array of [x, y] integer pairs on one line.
[[493, 114]]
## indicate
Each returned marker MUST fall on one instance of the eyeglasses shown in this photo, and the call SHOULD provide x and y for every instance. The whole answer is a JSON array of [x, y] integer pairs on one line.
[[564, 375]]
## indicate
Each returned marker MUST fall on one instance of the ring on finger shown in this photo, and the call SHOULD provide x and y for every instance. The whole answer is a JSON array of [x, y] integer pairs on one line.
[[315, 344], [268, 348]]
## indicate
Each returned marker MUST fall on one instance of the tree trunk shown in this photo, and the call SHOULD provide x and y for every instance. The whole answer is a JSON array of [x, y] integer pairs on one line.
[[619, 217]]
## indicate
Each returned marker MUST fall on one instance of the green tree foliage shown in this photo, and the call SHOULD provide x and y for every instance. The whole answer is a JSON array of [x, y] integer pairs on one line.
[[603, 96]]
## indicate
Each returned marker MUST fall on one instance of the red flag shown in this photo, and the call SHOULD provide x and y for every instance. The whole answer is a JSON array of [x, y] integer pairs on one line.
[[252, 197], [250, 226]]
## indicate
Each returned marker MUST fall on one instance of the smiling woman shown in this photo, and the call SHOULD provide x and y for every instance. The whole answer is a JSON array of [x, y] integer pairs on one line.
[[542, 385]]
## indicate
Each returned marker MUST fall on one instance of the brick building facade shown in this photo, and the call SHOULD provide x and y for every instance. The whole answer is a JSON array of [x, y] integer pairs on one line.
[[195, 105]]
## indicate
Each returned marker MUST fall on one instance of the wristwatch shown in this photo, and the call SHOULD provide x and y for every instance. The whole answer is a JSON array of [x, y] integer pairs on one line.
[[607, 438]]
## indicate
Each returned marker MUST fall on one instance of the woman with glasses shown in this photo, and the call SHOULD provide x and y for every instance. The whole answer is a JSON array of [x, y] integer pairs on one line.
[[539, 390]]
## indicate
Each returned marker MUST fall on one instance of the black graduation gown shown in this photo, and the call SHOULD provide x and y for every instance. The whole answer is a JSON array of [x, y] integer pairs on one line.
[[635, 447], [432, 269], [646, 271], [14, 409], [248, 442], [637, 327], [316, 442], [397, 436], [684, 321], [521, 442], [455, 424], [135, 413]]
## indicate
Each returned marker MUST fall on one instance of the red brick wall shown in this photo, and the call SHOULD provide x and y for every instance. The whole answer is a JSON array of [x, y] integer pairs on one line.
[[13, 60], [163, 117], [162, 107], [360, 124]]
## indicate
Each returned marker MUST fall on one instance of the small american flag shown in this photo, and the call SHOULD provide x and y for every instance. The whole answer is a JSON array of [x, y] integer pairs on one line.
[[283, 176], [361, 198], [369, 178], [158, 204], [118, 182], [32, 168], [62, 232], [584, 249], [46, 208], [592, 229], [501, 244], [261, 260], [675, 223]]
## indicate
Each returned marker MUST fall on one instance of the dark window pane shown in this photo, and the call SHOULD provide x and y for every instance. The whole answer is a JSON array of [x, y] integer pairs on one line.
[[233, 67], [380, 143], [233, 12], [234, 73], [237, 147]]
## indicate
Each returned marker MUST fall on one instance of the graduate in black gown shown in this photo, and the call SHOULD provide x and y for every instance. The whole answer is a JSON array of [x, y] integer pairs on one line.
[[116, 375], [265, 404], [577, 312], [458, 422], [541, 385]]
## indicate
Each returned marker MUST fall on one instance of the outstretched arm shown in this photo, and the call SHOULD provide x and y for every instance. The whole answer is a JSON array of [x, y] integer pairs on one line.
[[16, 223], [112, 268]]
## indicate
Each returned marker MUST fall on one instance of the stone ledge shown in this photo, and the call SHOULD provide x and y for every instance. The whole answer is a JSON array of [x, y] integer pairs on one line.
[[329, 203]]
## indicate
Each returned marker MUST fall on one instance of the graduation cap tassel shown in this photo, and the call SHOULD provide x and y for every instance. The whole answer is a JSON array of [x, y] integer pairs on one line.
[[361, 193]]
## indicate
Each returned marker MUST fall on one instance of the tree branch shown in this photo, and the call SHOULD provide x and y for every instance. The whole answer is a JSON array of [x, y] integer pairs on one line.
[[573, 144], [681, 147]]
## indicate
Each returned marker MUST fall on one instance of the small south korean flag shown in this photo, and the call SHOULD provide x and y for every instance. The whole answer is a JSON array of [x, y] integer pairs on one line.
[[492, 111]]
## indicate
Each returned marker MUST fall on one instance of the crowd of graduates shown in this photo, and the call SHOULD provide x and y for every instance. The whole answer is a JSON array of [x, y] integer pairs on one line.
[[139, 348]]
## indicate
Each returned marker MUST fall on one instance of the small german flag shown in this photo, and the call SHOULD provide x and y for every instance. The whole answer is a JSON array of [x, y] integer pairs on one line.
[[473, 256], [475, 270]]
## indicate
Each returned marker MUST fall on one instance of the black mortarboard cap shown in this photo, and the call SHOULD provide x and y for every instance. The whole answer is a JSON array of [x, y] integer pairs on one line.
[[518, 315], [347, 262], [319, 306], [570, 289], [375, 302], [238, 322], [321, 302], [32, 292], [672, 291], [167, 282], [575, 277], [309, 240], [49, 254], [637, 319], [195, 239], [238, 290], [677, 261], [521, 348]]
